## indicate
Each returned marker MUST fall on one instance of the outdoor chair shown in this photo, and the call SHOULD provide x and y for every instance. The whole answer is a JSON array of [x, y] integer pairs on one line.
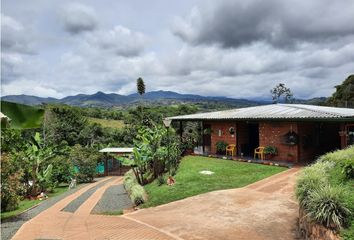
[[259, 153], [231, 148]]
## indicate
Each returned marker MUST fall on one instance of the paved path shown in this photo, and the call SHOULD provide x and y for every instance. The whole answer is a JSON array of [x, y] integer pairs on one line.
[[263, 210], [56, 224]]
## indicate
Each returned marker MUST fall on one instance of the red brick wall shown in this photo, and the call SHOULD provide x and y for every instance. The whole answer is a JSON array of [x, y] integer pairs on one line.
[[225, 135], [271, 133]]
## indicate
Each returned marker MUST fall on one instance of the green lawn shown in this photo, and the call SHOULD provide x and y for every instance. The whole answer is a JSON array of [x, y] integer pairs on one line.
[[26, 203], [189, 182], [107, 122]]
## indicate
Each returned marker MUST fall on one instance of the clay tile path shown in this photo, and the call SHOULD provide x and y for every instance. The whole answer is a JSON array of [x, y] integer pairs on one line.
[[263, 210]]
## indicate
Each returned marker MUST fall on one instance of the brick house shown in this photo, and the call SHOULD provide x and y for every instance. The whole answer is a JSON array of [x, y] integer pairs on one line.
[[299, 132]]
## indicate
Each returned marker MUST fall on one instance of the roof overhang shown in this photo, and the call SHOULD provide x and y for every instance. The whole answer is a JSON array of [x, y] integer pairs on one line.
[[275, 112], [116, 150]]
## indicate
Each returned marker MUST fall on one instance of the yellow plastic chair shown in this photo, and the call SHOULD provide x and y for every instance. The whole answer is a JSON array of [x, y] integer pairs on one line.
[[231, 148], [259, 152]]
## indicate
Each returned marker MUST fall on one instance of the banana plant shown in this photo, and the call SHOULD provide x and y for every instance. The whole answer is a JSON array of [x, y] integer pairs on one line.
[[36, 155]]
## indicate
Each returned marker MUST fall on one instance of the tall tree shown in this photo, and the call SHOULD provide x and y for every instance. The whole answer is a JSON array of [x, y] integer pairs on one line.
[[140, 86], [281, 90], [344, 94]]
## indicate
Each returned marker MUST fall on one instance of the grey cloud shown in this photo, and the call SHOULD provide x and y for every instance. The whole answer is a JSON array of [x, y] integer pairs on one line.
[[10, 67], [79, 18], [14, 37], [281, 23], [120, 41]]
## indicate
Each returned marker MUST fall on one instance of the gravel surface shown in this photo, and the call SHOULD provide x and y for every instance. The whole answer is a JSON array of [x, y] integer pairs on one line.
[[10, 226], [114, 199], [75, 204]]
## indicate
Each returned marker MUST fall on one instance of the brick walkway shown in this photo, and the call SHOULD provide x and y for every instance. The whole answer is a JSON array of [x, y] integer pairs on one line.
[[56, 224], [263, 210]]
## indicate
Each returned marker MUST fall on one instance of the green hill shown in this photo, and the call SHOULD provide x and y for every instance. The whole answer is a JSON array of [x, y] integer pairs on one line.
[[22, 116]]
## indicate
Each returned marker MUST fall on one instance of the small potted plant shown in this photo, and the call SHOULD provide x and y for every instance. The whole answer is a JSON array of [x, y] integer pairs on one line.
[[187, 146], [207, 131], [270, 151], [221, 147]]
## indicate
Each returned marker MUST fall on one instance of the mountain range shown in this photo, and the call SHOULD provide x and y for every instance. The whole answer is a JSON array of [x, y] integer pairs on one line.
[[101, 99]]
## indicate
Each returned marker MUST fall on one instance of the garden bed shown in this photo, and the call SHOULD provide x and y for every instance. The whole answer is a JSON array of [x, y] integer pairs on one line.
[[189, 181], [27, 204], [325, 192]]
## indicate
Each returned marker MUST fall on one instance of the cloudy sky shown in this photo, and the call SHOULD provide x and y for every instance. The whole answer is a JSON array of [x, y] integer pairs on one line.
[[233, 48]]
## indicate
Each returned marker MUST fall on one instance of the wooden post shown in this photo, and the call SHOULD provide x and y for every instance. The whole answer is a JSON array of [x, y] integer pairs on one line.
[[203, 145], [180, 130], [105, 166], [236, 139]]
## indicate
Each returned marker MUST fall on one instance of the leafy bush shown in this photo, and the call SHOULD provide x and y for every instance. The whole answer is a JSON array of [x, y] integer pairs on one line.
[[63, 169], [221, 147], [325, 206], [85, 159], [10, 184]]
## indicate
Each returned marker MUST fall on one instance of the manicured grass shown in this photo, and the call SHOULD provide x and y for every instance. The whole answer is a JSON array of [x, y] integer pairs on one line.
[[189, 182], [108, 122], [26, 203], [23, 205], [113, 213]]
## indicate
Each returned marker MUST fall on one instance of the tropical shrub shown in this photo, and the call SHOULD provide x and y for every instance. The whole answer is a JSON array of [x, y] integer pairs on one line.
[[325, 192], [156, 152], [10, 184], [138, 194], [325, 206], [312, 177], [344, 159], [85, 160], [129, 180]]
